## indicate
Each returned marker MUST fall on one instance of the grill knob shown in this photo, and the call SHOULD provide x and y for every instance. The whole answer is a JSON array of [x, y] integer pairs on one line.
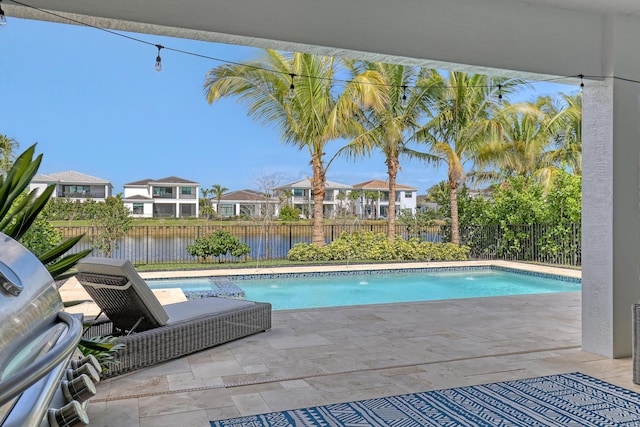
[[80, 389], [71, 414], [90, 359], [87, 370]]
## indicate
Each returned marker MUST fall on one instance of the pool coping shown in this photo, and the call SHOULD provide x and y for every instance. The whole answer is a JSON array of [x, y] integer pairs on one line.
[[522, 268]]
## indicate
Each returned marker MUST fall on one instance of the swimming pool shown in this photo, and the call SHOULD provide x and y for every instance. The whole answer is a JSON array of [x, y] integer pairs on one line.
[[312, 290]]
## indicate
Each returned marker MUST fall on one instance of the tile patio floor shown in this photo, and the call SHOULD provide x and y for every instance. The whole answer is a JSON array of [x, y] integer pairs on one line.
[[320, 356]]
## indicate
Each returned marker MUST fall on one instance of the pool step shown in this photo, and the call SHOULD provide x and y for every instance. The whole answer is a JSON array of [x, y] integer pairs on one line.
[[225, 289]]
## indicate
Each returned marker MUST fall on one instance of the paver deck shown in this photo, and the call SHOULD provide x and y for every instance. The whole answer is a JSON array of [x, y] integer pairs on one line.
[[320, 356]]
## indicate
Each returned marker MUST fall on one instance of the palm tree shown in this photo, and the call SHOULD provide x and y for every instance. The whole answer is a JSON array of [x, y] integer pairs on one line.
[[341, 197], [218, 191], [370, 197], [566, 128], [354, 196], [539, 140], [407, 93], [461, 121], [319, 110], [521, 148], [8, 147]]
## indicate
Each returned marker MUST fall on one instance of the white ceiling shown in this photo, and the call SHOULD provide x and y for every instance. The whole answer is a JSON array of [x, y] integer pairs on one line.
[[534, 37], [624, 7]]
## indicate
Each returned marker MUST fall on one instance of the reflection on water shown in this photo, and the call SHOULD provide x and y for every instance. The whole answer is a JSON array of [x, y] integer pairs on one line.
[[157, 247]]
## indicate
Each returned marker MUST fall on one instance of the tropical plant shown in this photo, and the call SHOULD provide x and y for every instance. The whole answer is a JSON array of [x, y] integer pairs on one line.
[[354, 196], [218, 191], [220, 243], [18, 213], [566, 130], [461, 120], [371, 198], [289, 213], [299, 94], [8, 147], [407, 94], [110, 223], [367, 245], [103, 349]]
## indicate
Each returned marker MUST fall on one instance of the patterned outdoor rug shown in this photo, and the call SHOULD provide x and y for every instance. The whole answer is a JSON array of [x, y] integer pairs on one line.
[[557, 400]]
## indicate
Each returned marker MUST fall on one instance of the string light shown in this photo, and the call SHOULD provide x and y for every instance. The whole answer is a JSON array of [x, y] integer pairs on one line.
[[3, 19], [292, 87], [404, 93], [158, 66], [500, 92], [581, 82]]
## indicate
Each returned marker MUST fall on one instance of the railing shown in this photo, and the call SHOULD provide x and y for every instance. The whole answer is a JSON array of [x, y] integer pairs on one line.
[[551, 244], [559, 244], [63, 194]]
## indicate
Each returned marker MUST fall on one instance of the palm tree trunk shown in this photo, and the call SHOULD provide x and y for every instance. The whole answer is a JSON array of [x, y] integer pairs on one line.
[[453, 199], [317, 184], [392, 170]]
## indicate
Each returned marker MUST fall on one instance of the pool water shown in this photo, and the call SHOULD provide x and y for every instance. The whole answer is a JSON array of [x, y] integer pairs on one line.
[[355, 289]]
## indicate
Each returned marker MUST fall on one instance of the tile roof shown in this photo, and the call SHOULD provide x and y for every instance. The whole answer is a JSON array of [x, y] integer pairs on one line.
[[167, 180], [306, 183], [138, 197], [69, 177], [141, 182], [378, 184], [247, 195], [174, 180]]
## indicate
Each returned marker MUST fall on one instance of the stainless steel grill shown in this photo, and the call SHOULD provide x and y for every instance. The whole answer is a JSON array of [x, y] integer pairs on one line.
[[41, 383]]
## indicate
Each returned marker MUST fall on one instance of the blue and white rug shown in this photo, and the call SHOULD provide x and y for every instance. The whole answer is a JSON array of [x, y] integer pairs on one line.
[[557, 400]]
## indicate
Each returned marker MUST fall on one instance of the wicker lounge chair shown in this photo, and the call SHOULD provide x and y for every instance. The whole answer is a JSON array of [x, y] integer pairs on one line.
[[153, 333]]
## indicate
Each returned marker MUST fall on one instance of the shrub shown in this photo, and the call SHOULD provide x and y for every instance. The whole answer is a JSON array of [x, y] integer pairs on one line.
[[289, 213], [218, 244], [366, 245]]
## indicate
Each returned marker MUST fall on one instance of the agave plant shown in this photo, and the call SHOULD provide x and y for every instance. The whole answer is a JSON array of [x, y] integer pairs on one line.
[[17, 213]]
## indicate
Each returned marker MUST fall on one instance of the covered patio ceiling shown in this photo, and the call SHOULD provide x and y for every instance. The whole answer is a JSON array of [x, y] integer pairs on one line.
[[554, 37]]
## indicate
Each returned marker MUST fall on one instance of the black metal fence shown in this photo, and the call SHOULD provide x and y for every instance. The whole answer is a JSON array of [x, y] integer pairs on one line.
[[558, 244], [552, 244]]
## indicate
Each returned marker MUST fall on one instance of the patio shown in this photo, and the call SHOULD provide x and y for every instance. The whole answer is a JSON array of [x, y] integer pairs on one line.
[[321, 356]]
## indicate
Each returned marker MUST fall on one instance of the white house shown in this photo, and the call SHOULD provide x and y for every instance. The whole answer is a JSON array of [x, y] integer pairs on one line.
[[73, 185], [378, 206], [166, 197], [249, 203], [301, 196]]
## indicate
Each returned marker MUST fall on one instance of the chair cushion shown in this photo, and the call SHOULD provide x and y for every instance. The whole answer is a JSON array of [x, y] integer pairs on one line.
[[189, 310], [124, 268]]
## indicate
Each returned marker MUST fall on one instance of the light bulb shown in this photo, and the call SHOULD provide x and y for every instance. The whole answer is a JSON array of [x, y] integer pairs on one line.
[[292, 87], [3, 19], [158, 66]]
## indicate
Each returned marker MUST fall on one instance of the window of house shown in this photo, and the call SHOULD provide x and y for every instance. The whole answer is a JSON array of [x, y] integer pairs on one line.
[[77, 189], [298, 192], [138, 208], [408, 194], [227, 211], [186, 190]]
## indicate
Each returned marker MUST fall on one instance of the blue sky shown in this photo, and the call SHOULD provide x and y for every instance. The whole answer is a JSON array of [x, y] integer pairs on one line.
[[94, 104]]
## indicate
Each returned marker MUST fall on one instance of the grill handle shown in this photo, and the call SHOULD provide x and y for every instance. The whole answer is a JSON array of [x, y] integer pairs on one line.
[[63, 349]]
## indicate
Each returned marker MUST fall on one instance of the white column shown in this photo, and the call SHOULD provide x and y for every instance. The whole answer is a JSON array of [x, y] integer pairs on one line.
[[611, 201]]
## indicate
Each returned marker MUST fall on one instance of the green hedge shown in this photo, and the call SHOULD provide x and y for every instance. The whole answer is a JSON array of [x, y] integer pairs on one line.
[[366, 245]]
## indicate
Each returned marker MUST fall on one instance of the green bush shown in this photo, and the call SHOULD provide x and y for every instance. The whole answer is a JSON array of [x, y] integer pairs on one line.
[[366, 245], [289, 213], [218, 244]]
